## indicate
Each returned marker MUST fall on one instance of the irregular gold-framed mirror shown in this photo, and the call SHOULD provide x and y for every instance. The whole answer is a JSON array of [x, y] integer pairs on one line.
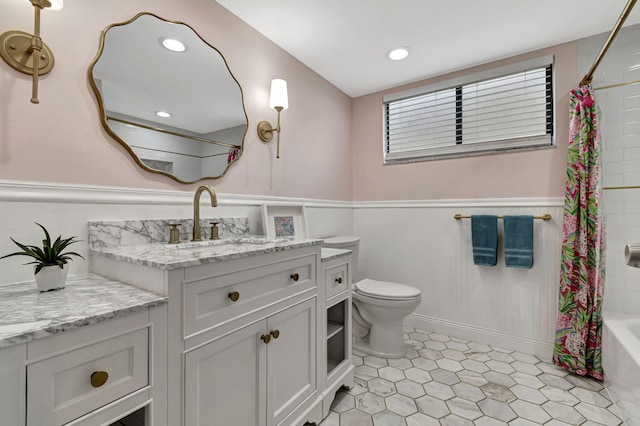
[[176, 107]]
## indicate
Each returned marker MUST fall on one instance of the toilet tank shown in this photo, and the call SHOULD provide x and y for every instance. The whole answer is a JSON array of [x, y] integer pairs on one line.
[[346, 243]]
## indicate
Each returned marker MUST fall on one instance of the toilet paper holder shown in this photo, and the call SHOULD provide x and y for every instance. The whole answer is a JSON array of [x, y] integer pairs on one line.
[[632, 255]]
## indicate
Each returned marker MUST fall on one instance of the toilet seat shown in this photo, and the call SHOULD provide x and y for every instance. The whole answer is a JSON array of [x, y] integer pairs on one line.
[[386, 290]]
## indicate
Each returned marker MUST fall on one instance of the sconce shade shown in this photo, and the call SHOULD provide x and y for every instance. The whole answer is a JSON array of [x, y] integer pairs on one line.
[[56, 4], [278, 101], [278, 98], [48, 4]]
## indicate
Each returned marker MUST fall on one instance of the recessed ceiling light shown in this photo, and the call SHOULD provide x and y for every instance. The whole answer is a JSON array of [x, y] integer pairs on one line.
[[173, 45], [398, 53], [163, 114]]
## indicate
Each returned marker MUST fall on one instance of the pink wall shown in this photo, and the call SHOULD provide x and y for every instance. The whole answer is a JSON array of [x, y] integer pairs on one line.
[[538, 173], [61, 140]]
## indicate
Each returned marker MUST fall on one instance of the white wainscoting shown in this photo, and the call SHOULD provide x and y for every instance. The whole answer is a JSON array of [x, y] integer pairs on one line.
[[420, 244], [66, 209]]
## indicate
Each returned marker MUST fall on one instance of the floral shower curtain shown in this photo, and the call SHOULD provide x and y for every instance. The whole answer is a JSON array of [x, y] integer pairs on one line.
[[578, 341]]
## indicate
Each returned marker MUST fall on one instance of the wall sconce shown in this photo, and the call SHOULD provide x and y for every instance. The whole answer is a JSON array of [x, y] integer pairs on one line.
[[26, 52], [278, 101]]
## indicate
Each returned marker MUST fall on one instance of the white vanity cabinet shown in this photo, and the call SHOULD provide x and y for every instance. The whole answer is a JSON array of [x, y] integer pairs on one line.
[[243, 341], [336, 366], [258, 334], [63, 387], [95, 374]]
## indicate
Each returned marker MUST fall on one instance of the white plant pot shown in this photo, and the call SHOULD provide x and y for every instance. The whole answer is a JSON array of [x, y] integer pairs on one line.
[[52, 277]]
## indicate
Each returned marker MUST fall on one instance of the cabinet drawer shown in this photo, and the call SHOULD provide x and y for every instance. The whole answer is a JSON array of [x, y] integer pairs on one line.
[[336, 279], [209, 301], [59, 388]]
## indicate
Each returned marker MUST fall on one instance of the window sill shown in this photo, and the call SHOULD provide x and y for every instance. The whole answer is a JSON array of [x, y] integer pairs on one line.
[[469, 150]]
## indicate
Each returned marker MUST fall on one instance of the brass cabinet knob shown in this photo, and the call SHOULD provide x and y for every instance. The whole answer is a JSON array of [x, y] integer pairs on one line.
[[295, 277], [339, 280], [266, 338], [275, 333], [234, 296], [99, 378]]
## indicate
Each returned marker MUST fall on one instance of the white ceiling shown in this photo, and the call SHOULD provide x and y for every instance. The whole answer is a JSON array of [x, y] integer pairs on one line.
[[345, 41]]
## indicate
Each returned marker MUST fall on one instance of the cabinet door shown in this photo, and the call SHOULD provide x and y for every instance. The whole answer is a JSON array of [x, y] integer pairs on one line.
[[225, 380], [291, 359], [12, 384]]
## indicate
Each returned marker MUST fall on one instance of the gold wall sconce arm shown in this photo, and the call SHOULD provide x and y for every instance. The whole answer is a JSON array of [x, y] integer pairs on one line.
[[26, 52], [278, 101]]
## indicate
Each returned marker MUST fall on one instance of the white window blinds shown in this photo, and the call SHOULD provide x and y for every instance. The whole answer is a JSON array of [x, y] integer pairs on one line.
[[474, 114]]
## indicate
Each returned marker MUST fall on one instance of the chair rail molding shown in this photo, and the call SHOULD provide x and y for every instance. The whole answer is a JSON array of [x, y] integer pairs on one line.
[[24, 191]]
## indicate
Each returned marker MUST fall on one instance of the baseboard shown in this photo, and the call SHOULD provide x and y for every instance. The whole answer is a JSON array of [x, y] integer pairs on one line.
[[541, 349]]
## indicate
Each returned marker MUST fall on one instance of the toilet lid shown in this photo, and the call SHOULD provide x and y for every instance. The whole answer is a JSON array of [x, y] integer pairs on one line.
[[386, 290], [341, 242]]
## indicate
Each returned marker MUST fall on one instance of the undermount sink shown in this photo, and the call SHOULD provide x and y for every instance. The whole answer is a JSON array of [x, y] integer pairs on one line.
[[223, 243]]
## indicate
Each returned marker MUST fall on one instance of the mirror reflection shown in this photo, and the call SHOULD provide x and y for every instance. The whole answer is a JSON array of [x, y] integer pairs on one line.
[[169, 98]]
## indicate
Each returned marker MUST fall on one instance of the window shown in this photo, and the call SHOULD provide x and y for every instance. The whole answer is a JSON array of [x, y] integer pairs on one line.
[[501, 109]]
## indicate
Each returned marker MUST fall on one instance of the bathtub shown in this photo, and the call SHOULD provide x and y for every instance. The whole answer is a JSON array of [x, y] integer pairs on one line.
[[621, 363]]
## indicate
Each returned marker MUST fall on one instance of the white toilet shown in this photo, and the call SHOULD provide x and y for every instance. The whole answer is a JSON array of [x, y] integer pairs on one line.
[[380, 308]]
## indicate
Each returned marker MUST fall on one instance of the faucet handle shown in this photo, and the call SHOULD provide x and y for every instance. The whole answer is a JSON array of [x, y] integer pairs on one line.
[[174, 233], [214, 230]]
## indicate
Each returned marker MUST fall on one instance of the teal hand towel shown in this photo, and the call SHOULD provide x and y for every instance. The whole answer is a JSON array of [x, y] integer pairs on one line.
[[484, 239], [518, 241]]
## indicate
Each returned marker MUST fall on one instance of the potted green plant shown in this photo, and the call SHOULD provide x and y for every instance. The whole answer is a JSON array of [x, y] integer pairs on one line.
[[50, 260]]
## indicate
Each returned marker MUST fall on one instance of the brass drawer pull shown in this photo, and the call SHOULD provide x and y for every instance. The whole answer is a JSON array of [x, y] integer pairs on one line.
[[295, 276], [275, 333], [266, 338], [339, 280], [234, 296], [99, 378]]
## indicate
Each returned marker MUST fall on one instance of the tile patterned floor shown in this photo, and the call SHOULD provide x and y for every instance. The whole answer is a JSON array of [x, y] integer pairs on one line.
[[443, 380]]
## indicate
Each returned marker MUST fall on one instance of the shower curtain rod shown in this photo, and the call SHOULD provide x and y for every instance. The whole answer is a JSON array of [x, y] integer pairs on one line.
[[610, 86], [614, 32], [156, 129]]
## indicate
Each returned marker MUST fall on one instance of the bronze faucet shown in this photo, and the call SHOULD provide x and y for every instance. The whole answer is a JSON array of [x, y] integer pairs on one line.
[[196, 208]]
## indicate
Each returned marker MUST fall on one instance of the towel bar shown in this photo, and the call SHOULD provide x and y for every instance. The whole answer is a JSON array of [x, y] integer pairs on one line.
[[546, 217]]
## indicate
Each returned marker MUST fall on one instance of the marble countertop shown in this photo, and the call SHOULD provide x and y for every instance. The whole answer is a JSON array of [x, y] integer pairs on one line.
[[26, 314], [332, 253], [173, 256]]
